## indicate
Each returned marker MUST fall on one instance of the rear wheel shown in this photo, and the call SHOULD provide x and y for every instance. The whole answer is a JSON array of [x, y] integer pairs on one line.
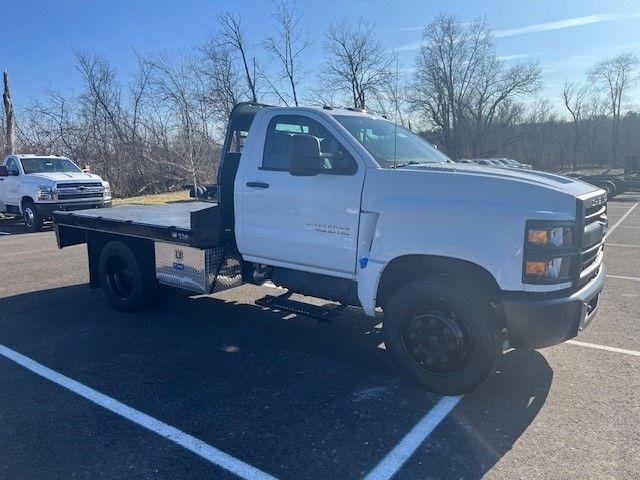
[[32, 219], [442, 334], [127, 276]]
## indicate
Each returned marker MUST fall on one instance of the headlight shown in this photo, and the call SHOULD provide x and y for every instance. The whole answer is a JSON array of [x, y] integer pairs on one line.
[[550, 252], [45, 193], [107, 190], [551, 237]]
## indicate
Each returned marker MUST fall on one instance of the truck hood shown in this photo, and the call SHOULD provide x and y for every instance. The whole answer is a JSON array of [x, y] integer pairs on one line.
[[62, 176], [533, 177]]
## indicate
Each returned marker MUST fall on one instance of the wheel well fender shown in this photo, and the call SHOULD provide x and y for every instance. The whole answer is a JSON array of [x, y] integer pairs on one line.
[[407, 268], [24, 199]]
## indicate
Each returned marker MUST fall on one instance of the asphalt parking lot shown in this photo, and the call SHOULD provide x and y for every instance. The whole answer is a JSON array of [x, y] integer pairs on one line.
[[203, 387]]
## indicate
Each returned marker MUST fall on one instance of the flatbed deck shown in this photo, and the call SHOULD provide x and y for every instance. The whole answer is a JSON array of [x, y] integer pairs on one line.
[[196, 223]]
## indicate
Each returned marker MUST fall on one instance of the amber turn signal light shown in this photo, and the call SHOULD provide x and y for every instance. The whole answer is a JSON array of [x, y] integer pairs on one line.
[[535, 269]]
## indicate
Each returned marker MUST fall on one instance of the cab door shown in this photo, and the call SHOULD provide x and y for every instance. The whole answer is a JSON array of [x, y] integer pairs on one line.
[[302, 222], [10, 186]]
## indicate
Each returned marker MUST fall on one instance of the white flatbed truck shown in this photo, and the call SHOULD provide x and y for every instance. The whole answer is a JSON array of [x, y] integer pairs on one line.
[[344, 205]]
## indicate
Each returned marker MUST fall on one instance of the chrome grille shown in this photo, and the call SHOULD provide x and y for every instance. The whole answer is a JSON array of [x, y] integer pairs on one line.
[[594, 225], [79, 184], [71, 191], [79, 196]]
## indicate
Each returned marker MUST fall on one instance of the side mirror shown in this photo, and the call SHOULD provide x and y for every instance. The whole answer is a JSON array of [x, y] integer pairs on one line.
[[305, 159], [3, 171], [86, 169], [343, 164]]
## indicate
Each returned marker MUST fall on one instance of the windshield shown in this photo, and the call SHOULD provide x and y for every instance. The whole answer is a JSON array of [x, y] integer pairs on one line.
[[47, 165], [389, 144]]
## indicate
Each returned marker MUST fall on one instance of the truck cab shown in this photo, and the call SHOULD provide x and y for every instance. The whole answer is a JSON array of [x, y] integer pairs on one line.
[[35, 185], [344, 205]]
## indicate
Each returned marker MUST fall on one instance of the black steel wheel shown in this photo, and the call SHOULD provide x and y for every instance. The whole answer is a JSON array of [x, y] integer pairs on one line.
[[443, 334], [436, 341], [127, 275], [119, 277]]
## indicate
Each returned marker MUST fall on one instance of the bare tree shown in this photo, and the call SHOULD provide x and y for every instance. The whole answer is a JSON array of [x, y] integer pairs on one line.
[[446, 68], [357, 63], [576, 100], [492, 101], [288, 42], [616, 75], [597, 147], [217, 66], [232, 36], [392, 98], [9, 115], [171, 83], [462, 87], [103, 88]]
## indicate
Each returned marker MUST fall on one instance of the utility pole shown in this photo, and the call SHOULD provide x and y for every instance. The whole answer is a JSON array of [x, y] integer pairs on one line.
[[8, 108]]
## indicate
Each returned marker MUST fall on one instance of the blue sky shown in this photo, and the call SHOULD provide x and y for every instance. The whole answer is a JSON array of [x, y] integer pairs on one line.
[[567, 36]]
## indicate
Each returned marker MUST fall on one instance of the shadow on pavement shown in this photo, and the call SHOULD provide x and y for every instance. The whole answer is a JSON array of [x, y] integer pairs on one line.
[[293, 397], [15, 226], [489, 421]]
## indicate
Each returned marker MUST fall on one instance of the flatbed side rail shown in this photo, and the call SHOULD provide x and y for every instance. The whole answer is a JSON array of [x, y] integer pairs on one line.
[[71, 230]]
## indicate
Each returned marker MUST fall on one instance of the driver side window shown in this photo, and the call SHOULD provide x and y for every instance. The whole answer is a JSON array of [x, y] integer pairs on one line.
[[277, 147], [12, 167]]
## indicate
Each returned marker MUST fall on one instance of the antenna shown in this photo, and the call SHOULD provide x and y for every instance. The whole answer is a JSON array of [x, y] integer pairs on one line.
[[397, 114]]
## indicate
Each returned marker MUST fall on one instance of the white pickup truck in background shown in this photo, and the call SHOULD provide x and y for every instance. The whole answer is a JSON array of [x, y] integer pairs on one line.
[[34, 186], [346, 206]]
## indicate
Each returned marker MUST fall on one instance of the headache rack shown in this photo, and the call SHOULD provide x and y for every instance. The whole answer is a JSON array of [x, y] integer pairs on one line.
[[592, 227]]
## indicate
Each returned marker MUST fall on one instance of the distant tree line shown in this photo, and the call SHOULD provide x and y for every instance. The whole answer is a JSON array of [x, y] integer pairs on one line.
[[163, 126]]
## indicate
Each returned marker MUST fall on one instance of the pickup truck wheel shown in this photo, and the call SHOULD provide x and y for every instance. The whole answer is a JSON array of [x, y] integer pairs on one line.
[[442, 334], [127, 279], [610, 188], [32, 219]]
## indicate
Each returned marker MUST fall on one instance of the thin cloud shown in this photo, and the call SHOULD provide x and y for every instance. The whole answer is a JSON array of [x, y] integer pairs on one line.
[[407, 29], [562, 24], [628, 46], [536, 27], [408, 47], [516, 56]]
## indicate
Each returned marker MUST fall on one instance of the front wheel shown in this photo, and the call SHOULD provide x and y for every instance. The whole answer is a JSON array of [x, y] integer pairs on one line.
[[442, 334], [32, 219]]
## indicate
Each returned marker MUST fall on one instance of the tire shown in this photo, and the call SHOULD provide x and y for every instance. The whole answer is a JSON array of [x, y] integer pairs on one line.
[[127, 276], [611, 189], [442, 334], [32, 219]]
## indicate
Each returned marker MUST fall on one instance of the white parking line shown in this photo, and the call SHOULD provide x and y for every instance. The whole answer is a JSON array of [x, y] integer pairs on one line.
[[193, 444], [622, 245], [622, 277], [603, 347], [394, 460], [621, 219]]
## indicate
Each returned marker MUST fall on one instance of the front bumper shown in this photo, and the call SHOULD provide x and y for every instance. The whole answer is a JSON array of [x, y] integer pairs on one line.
[[535, 322], [46, 209]]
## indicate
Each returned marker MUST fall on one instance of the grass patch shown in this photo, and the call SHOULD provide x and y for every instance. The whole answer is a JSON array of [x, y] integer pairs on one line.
[[156, 199]]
